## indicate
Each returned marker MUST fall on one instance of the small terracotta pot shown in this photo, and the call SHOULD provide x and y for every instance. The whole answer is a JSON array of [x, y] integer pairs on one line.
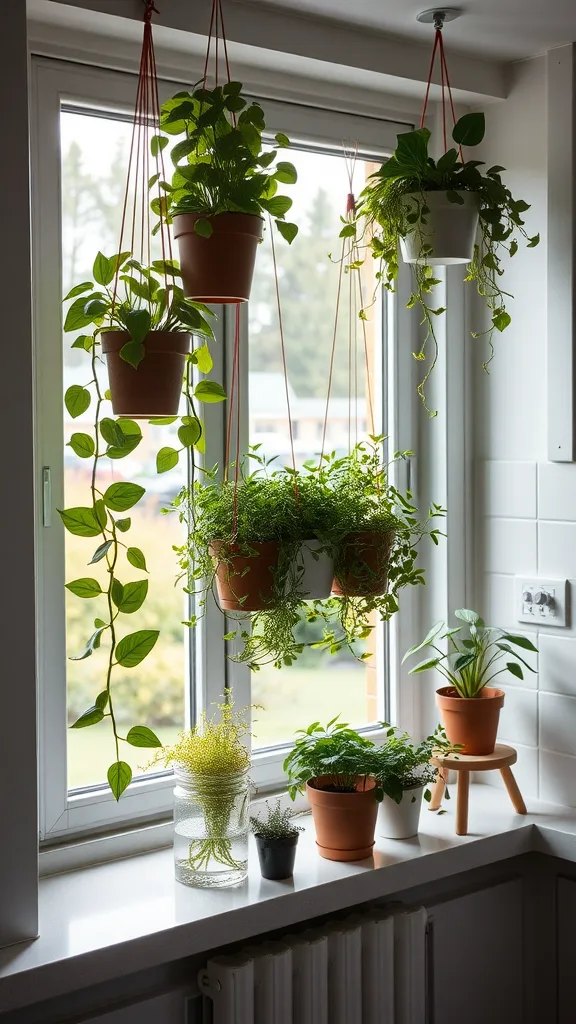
[[344, 822], [219, 268], [240, 590], [362, 564], [153, 388], [471, 721]]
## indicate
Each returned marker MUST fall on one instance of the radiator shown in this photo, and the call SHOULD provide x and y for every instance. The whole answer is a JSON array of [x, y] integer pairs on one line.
[[367, 968]]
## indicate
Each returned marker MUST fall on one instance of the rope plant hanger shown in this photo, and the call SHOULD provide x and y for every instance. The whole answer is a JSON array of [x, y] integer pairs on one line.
[[443, 212], [141, 321]]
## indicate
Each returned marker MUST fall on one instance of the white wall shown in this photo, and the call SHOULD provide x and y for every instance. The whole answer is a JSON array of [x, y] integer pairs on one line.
[[525, 507]]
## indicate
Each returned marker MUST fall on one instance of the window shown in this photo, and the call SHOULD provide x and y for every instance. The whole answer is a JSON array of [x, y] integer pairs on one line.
[[82, 119]]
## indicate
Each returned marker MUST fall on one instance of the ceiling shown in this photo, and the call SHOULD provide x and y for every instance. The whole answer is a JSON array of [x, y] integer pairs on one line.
[[502, 29]]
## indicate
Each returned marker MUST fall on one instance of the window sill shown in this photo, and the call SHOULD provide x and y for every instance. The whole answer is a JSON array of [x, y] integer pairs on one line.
[[102, 922]]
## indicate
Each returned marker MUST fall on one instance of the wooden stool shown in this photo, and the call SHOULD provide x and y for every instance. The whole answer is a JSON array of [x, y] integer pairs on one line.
[[501, 759]]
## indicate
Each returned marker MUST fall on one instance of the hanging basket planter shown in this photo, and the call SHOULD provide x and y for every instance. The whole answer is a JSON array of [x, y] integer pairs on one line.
[[245, 576], [154, 387], [447, 234], [218, 268], [362, 564]]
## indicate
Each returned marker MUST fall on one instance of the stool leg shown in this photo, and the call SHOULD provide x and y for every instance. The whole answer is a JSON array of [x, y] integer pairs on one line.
[[513, 791], [462, 803], [438, 791]]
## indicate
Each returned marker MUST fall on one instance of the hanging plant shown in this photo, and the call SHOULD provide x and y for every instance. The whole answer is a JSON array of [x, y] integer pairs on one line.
[[279, 544], [226, 177], [439, 213]]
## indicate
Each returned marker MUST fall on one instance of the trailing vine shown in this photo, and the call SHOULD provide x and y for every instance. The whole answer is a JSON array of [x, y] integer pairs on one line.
[[145, 305]]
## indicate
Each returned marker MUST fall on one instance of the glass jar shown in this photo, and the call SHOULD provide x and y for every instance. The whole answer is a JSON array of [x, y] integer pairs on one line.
[[211, 821]]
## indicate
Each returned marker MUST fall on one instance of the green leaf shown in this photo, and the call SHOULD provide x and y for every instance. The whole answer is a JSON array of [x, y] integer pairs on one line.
[[133, 352], [430, 636], [277, 206], [123, 525], [103, 270], [133, 648], [101, 700], [79, 289], [76, 317], [142, 736], [424, 666], [163, 421], [466, 615], [157, 144], [136, 558], [90, 717], [101, 513], [138, 323], [83, 341], [204, 360], [82, 445], [454, 197], [534, 241], [286, 173], [117, 592], [282, 140], [501, 320], [111, 431], [463, 660], [86, 587], [120, 497], [515, 669], [119, 777], [100, 552], [520, 641], [470, 130], [166, 459], [287, 230], [133, 597], [412, 149], [203, 228], [91, 646], [80, 521], [77, 399], [209, 391], [189, 432]]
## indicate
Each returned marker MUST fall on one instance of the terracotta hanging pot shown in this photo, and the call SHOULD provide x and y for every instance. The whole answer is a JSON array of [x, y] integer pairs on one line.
[[362, 564], [344, 822], [246, 580], [471, 721], [219, 268], [314, 569], [153, 388], [450, 230]]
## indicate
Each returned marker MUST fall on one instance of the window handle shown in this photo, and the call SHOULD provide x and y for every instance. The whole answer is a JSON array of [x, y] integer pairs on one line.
[[46, 496]]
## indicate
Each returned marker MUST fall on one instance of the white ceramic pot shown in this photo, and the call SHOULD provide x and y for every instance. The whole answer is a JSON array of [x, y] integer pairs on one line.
[[315, 571], [400, 821], [450, 230]]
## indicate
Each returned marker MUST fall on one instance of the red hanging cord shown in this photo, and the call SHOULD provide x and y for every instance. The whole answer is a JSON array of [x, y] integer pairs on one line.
[[445, 86]]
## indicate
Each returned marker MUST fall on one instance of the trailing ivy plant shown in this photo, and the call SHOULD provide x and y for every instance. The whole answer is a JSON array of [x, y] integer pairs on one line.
[[393, 205], [223, 164], [145, 304]]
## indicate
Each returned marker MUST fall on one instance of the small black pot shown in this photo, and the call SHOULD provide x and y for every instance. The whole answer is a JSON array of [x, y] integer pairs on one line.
[[277, 856]]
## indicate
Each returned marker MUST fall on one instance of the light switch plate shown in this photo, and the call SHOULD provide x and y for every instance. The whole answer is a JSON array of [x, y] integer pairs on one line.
[[541, 602]]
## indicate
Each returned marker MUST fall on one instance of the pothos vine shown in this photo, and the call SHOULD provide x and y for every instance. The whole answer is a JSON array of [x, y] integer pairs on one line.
[[147, 303]]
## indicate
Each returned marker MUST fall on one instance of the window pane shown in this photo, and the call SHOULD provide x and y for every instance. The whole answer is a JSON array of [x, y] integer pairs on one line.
[[94, 157], [318, 685]]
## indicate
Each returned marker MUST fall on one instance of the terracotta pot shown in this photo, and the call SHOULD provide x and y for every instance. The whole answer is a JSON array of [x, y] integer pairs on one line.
[[219, 268], [362, 564], [344, 822], [450, 230], [154, 387], [471, 721], [400, 821], [240, 590]]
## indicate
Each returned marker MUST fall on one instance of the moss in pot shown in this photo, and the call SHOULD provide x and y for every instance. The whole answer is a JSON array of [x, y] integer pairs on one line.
[[470, 659], [332, 765], [276, 841]]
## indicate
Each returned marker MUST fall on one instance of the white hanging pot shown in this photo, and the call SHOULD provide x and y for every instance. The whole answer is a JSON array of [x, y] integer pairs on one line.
[[400, 821], [315, 571], [449, 229]]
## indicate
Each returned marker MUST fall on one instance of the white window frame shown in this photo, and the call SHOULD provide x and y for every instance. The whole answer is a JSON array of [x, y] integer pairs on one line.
[[55, 82]]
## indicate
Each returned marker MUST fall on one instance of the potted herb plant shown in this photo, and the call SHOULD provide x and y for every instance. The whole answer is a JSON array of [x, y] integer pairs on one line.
[[440, 213], [403, 770], [145, 326], [211, 798], [226, 177], [332, 765], [469, 705], [276, 841]]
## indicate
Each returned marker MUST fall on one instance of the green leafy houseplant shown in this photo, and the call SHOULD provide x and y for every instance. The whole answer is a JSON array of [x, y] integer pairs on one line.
[[103, 518], [211, 763], [400, 764], [222, 164], [335, 753], [276, 841], [278, 823], [395, 205], [474, 655]]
